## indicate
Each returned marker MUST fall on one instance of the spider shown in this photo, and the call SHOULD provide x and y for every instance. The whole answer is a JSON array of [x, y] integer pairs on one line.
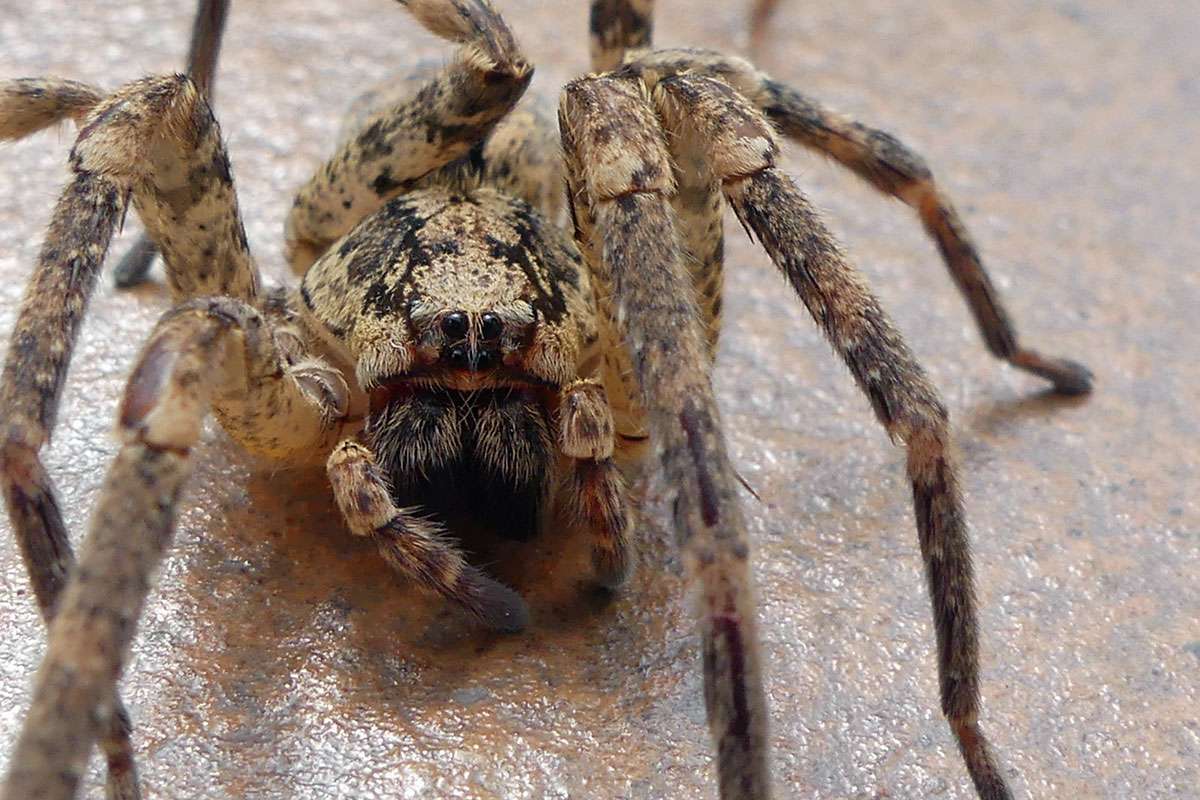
[[452, 330]]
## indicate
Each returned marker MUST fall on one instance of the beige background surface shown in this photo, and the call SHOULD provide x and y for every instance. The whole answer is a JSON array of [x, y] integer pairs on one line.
[[279, 658]]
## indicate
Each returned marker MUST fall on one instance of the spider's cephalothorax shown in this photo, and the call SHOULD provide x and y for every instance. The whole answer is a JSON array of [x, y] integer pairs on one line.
[[466, 313], [457, 355]]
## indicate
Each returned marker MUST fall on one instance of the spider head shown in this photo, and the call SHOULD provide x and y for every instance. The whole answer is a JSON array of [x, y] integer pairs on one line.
[[463, 290], [463, 313]]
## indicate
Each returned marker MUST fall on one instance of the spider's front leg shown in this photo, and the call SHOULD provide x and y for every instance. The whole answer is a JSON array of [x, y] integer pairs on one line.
[[210, 351], [742, 149], [30, 389], [620, 184], [398, 145], [207, 31], [208, 28]]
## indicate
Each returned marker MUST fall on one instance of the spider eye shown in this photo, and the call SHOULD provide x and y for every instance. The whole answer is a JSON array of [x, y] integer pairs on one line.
[[490, 325], [454, 325]]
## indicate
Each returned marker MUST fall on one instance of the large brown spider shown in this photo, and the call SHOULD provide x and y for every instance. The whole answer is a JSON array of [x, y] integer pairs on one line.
[[448, 331]]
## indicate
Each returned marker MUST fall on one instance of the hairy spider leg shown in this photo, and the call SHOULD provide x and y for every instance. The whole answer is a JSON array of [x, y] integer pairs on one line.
[[620, 183], [208, 28], [742, 150]]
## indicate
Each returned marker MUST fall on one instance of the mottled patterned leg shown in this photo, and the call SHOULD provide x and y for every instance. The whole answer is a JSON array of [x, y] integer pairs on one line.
[[96, 616], [743, 150], [885, 163], [159, 136], [698, 215], [618, 26], [39, 353], [520, 155], [595, 487], [28, 105], [398, 145], [620, 184], [205, 47], [414, 546]]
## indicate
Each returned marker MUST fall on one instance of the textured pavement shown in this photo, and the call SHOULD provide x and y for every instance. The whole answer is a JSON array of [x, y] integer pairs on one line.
[[279, 658]]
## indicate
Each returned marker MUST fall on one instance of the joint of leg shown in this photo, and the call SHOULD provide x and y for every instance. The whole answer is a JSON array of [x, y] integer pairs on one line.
[[19, 449], [117, 134], [614, 135], [167, 397], [735, 137]]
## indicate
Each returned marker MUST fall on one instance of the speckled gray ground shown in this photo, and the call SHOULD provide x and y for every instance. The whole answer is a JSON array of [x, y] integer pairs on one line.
[[280, 659]]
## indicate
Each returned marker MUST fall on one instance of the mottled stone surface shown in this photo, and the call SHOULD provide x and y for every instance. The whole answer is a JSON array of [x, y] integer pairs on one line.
[[279, 658]]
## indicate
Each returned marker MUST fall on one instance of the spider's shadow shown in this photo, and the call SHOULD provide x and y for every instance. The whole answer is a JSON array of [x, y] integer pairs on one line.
[[997, 416], [321, 618]]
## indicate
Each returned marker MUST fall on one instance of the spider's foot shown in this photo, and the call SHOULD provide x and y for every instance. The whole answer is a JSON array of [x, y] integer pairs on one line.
[[613, 565], [1069, 377], [135, 265], [495, 605]]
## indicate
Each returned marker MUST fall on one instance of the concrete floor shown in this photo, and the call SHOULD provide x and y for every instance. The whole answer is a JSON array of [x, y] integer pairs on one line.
[[279, 658]]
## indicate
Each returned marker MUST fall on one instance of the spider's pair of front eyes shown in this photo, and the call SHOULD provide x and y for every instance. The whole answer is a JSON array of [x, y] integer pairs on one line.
[[459, 353]]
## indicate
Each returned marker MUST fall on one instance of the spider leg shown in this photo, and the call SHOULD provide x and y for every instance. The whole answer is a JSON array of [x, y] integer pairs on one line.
[[742, 149], [618, 26], [517, 156], [28, 105], [217, 352], [598, 498], [414, 546], [620, 183], [30, 389], [159, 421], [892, 168], [398, 145], [699, 219], [207, 30], [156, 136]]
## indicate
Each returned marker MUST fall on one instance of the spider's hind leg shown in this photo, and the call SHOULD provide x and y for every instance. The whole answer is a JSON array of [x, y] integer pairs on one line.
[[742, 151], [894, 169]]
